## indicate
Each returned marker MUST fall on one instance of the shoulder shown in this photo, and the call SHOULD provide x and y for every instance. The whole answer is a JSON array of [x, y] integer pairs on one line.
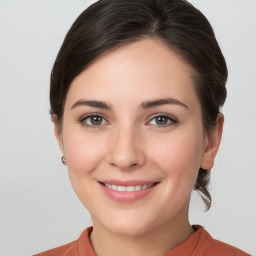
[[210, 246], [82, 246], [69, 249], [64, 250]]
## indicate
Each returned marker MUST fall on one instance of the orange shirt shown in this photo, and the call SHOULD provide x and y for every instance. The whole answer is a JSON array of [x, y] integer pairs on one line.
[[199, 243]]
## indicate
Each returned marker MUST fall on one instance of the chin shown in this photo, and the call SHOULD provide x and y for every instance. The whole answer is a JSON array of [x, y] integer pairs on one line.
[[126, 226]]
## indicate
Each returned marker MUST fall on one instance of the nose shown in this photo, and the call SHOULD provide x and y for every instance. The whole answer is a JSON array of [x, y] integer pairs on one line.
[[126, 149]]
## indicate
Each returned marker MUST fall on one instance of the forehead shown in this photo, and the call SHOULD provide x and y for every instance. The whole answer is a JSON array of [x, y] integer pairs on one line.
[[137, 71]]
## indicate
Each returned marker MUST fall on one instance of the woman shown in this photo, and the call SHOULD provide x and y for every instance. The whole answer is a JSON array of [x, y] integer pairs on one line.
[[136, 92]]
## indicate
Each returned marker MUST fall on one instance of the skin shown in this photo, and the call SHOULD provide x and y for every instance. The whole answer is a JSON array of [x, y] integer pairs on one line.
[[129, 144]]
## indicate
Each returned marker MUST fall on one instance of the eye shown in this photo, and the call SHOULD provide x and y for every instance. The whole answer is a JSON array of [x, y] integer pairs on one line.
[[162, 120], [93, 120]]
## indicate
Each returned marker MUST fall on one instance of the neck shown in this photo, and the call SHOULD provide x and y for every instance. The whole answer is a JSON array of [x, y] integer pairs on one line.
[[152, 243]]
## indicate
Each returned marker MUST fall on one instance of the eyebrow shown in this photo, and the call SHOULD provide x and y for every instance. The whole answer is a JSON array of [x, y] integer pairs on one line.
[[144, 105], [91, 103], [159, 102]]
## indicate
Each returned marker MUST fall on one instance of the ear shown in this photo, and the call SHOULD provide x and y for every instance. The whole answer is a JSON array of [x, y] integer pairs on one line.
[[58, 133], [213, 138]]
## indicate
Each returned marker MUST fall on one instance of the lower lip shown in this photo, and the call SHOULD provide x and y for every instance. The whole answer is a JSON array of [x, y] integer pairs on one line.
[[126, 197]]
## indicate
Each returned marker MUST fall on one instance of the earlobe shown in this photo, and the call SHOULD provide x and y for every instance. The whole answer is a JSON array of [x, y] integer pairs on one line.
[[212, 144], [58, 133]]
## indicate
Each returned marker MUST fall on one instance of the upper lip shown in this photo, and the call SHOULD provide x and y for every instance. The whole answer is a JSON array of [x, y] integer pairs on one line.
[[127, 182]]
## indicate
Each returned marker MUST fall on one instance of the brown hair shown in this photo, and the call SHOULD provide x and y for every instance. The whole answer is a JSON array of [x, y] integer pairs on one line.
[[108, 24]]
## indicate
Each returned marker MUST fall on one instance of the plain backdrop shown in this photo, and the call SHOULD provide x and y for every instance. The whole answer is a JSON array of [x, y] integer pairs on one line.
[[38, 208]]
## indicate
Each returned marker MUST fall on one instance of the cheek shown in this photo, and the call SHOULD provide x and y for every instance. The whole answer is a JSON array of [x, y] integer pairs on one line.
[[82, 161], [179, 157], [80, 149]]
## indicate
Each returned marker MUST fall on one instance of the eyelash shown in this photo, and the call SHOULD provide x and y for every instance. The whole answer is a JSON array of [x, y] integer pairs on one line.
[[171, 120], [83, 120]]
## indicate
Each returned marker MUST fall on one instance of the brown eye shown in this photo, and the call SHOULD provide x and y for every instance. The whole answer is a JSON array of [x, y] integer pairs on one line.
[[162, 121], [96, 120], [93, 120]]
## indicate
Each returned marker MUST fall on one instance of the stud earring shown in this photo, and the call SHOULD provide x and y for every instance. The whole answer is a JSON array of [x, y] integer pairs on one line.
[[63, 160]]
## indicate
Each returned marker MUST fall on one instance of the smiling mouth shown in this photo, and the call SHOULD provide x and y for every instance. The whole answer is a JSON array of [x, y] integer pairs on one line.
[[128, 188]]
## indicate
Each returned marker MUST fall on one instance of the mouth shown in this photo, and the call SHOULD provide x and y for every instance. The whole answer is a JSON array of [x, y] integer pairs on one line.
[[128, 188], [127, 191]]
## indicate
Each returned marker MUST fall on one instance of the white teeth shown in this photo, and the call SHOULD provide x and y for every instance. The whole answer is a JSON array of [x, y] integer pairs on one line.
[[128, 188], [121, 188], [137, 188]]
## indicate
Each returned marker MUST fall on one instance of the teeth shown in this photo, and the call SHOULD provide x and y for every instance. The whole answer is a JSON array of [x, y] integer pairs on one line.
[[121, 188], [128, 188], [137, 188]]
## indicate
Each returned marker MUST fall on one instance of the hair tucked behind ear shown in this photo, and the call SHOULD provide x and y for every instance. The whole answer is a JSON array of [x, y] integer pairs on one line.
[[108, 24]]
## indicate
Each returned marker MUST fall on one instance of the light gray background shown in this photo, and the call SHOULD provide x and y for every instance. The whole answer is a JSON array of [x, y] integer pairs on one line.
[[38, 208]]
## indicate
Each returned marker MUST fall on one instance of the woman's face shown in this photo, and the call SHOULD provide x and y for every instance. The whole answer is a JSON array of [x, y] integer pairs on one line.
[[133, 138]]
